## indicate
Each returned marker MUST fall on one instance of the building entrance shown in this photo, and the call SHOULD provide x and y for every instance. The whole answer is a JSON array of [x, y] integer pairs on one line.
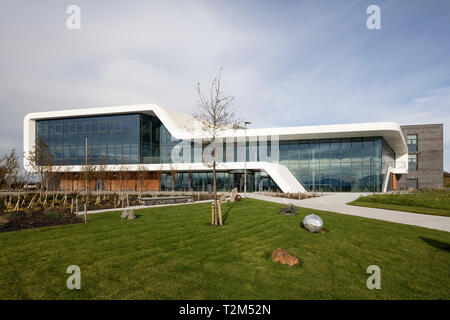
[[239, 178]]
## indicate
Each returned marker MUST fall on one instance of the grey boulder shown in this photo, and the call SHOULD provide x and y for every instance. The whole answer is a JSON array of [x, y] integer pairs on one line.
[[289, 210], [128, 214]]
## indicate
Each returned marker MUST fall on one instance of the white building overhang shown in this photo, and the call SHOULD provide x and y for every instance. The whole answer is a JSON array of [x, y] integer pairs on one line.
[[181, 126]]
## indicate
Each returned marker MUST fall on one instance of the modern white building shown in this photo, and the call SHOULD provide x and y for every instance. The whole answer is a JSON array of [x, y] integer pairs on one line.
[[172, 150]]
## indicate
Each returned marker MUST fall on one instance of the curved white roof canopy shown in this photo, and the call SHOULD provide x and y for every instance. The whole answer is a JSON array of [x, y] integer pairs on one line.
[[181, 126]]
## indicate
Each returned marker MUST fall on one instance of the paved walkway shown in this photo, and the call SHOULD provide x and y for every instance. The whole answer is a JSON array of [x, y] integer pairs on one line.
[[337, 202]]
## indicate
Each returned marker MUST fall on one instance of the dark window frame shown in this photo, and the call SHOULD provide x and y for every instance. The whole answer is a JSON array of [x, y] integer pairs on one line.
[[116, 121], [105, 122], [71, 126], [411, 139], [416, 162], [83, 126], [412, 147], [59, 129]]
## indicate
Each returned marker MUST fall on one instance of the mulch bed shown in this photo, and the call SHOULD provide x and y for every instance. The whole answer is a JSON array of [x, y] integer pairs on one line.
[[32, 219]]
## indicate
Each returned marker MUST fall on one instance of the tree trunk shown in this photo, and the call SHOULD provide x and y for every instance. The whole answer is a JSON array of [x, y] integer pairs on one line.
[[85, 211], [215, 193], [220, 212]]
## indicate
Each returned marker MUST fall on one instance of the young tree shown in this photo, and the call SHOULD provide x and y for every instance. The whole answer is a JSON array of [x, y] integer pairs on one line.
[[11, 165], [42, 160], [2, 172], [141, 175], [66, 175], [122, 175], [89, 173], [24, 178], [215, 114], [173, 173]]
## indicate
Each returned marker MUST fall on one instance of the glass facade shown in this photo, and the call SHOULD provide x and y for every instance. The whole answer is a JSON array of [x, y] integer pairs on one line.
[[342, 164], [150, 139], [351, 164], [117, 139], [203, 181], [167, 145]]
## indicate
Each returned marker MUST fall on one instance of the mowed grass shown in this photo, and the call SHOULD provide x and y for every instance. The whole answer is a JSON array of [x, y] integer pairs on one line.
[[172, 253], [428, 201]]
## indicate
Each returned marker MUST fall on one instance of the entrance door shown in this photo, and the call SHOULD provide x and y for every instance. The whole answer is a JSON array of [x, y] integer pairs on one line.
[[413, 183], [237, 183], [239, 178]]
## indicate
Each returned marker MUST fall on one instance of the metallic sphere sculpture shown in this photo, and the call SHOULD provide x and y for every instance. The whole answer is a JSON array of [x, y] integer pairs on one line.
[[313, 223]]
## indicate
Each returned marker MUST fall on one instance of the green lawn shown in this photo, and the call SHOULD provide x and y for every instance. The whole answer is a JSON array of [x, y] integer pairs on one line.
[[172, 253], [435, 202]]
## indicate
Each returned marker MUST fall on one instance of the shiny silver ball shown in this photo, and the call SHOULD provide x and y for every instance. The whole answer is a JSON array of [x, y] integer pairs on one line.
[[313, 223]]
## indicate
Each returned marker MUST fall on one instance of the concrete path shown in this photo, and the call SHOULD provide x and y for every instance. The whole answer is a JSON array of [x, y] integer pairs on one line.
[[337, 202]]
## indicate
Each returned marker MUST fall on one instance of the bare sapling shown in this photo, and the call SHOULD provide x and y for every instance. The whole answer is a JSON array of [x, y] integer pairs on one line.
[[215, 115]]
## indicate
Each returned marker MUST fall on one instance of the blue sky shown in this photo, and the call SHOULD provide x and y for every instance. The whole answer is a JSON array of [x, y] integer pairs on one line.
[[287, 63]]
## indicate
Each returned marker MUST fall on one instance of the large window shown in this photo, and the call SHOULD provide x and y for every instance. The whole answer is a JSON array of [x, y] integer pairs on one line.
[[115, 139], [412, 142], [412, 162], [167, 144], [348, 164]]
